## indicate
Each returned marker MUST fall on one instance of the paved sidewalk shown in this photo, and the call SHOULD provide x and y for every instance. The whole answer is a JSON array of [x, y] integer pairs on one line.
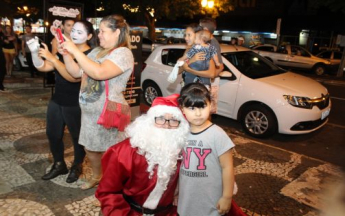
[[271, 181]]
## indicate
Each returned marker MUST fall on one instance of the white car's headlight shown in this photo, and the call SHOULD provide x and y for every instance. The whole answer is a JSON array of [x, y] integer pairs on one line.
[[302, 102]]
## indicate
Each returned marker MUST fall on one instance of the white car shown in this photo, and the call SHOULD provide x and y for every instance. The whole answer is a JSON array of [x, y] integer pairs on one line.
[[292, 56], [262, 96]]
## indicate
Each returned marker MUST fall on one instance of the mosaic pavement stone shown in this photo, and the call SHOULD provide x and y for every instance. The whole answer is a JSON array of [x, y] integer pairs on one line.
[[271, 181]]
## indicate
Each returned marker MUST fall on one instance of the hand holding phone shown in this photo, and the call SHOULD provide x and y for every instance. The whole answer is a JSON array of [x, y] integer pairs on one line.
[[59, 35]]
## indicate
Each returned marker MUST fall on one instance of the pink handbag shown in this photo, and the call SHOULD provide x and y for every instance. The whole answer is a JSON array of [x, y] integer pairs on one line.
[[114, 115]]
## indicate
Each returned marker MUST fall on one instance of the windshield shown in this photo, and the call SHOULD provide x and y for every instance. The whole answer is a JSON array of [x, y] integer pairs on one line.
[[252, 65]]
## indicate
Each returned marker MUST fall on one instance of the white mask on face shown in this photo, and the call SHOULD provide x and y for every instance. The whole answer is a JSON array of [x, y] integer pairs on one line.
[[79, 34]]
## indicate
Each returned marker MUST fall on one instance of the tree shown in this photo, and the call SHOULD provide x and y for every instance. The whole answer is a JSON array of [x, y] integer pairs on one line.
[[7, 9], [151, 10], [15, 8]]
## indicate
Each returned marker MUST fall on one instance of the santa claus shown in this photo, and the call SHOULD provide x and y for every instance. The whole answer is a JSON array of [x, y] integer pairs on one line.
[[140, 174]]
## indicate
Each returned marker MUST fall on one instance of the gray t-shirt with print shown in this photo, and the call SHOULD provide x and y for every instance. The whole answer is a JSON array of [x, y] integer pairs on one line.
[[200, 180], [216, 44], [95, 137], [26, 38]]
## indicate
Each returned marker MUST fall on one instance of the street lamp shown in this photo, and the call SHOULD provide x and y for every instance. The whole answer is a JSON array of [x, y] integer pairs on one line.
[[207, 3], [101, 8], [26, 11]]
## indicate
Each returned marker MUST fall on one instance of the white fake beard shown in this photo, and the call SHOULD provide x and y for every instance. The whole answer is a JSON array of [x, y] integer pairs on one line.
[[160, 146]]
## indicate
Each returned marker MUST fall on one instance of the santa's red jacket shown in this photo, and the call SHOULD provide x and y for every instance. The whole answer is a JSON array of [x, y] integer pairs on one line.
[[124, 173]]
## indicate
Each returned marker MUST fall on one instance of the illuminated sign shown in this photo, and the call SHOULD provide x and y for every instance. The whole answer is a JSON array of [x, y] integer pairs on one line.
[[64, 12]]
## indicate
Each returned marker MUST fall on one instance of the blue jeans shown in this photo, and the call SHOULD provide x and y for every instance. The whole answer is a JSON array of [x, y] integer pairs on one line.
[[199, 66]]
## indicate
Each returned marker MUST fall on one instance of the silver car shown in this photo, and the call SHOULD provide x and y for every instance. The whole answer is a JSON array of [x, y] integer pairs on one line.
[[296, 57], [333, 56]]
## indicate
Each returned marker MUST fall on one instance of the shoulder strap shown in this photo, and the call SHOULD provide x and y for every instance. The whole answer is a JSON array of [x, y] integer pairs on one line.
[[107, 81], [106, 88], [87, 51], [130, 97]]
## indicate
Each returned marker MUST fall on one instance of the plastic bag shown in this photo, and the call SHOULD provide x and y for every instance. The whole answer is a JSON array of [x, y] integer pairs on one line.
[[173, 75]]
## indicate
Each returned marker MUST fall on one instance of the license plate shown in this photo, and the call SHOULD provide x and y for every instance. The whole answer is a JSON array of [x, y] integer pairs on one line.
[[324, 114]]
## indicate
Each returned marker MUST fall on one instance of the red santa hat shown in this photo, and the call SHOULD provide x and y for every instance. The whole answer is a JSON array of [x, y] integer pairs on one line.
[[163, 105]]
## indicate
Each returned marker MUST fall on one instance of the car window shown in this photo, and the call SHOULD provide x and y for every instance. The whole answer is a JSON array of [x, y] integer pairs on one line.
[[179, 40], [337, 55], [147, 41], [299, 51], [170, 56], [282, 49], [252, 65], [226, 68], [265, 48], [325, 54]]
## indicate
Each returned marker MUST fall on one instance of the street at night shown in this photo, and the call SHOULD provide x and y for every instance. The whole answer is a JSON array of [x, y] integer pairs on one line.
[[281, 175], [75, 74]]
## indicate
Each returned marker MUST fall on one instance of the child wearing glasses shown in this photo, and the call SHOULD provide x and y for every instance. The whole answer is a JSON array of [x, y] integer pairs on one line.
[[206, 181]]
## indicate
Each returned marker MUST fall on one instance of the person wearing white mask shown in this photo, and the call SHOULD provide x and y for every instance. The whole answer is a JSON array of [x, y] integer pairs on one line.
[[63, 108]]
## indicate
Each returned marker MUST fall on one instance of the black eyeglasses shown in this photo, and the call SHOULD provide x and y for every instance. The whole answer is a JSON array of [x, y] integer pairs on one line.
[[171, 122]]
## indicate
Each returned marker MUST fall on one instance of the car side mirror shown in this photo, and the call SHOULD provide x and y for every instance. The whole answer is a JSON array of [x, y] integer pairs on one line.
[[227, 75]]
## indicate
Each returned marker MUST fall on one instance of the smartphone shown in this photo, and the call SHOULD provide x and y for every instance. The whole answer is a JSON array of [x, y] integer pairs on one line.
[[59, 35]]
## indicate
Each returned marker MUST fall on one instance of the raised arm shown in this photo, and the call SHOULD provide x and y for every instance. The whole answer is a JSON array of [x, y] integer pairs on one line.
[[72, 67], [34, 47], [52, 62], [98, 71]]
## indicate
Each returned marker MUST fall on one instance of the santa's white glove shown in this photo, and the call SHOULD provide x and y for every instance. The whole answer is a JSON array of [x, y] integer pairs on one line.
[[34, 47], [173, 75]]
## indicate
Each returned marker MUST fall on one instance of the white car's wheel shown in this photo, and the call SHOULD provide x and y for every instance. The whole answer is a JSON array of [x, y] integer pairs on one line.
[[319, 69], [151, 91], [259, 121]]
